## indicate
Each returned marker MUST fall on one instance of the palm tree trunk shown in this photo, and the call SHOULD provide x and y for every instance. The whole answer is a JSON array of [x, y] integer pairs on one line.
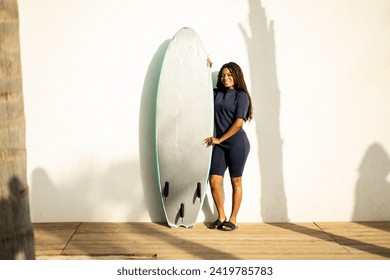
[[16, 234]]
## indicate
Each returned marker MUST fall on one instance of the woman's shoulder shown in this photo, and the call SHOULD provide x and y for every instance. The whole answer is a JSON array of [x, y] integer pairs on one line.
[[241, 94], [217, 91]]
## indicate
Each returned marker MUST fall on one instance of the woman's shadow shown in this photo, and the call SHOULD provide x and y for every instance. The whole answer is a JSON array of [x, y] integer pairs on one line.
[[372, 198], [266, 106]]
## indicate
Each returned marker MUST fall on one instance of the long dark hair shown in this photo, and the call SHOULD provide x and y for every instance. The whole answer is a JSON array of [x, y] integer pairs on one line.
[[239, 83]]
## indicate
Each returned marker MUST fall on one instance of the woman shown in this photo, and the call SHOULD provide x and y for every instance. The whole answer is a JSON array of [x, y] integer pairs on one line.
[[232, 107]]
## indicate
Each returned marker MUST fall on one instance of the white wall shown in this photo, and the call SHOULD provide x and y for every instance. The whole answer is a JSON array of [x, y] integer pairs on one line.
[[318, 72]]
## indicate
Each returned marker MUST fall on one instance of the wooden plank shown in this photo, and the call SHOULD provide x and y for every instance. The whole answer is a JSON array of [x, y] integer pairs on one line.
[[230, 251], [98, 257], [275, 256], [362, 237], [65, 225], [161, 238], [247, 230], [250, 241], [51, 238], [383, 225]]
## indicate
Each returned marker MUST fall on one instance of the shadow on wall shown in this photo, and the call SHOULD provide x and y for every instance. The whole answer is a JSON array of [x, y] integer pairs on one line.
[[372, 198], [147, 146], [112, 194], [16, 234], [266, 110]]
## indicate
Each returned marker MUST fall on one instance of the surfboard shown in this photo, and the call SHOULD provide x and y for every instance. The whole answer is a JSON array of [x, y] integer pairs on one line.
[[184, 117]]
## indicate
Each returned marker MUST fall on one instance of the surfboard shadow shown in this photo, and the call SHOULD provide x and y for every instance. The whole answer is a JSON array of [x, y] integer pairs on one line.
[[147, 124]]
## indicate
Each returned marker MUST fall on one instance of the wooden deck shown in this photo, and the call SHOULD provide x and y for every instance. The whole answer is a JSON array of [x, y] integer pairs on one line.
[[277, 241]]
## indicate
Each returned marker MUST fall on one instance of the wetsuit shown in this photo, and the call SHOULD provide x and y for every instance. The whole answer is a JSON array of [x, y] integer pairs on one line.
[[232, 153]]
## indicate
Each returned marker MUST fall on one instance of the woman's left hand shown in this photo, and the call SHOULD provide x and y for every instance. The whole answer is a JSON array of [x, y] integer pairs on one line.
[[211, 141]]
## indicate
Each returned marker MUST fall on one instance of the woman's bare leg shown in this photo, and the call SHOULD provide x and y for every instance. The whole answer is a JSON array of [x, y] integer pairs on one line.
[[216, 191], [237, 198]]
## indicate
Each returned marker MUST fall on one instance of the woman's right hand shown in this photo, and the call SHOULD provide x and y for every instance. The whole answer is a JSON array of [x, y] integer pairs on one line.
[[211, 141]]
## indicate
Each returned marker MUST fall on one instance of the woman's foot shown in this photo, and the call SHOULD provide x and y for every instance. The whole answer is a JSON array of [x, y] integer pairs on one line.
[[216, 225], [228, 226]]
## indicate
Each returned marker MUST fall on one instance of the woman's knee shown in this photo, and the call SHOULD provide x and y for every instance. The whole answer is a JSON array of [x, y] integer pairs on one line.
[[236, 182], [215, 181]]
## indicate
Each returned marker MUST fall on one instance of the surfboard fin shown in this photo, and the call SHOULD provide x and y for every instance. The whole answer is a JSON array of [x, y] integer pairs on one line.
[[181, 211], [198, 190], [166, 189]]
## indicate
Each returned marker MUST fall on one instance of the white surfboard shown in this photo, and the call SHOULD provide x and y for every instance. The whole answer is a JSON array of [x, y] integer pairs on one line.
[[185, 116]]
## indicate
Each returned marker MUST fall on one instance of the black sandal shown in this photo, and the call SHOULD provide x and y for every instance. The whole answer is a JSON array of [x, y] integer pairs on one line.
[[228, 226], [216, 225]]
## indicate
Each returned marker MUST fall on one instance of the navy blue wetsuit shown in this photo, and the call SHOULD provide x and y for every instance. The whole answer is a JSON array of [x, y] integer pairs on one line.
[[232, 153]]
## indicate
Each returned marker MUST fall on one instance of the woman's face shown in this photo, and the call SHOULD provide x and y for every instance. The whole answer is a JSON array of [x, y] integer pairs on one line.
[[227, 78]]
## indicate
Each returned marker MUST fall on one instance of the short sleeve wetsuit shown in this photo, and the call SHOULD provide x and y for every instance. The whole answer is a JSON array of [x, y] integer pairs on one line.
[[232, 153]]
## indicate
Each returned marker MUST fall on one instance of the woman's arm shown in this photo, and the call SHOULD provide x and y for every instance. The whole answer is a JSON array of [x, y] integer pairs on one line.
[[234, 128]]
